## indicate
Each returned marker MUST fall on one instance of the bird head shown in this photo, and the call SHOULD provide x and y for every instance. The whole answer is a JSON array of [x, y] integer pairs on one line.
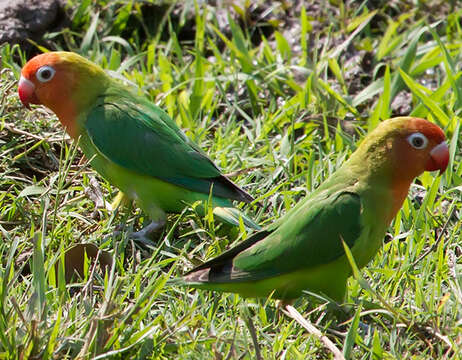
[[64, 82]]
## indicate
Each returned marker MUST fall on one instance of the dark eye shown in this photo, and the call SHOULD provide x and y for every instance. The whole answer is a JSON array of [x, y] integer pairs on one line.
[[417, 140], [45, 73]]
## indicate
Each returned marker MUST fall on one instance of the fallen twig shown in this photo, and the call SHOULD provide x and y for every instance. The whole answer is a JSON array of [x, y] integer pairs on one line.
[[294, 314]]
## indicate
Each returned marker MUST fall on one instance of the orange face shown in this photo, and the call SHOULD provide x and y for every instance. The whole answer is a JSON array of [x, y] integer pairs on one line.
[[399, 150], [422, 147], [64, 82], [38, 79]]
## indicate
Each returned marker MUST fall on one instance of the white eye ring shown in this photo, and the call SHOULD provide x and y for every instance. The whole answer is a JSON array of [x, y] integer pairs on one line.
[[418, 141], [45, 73]]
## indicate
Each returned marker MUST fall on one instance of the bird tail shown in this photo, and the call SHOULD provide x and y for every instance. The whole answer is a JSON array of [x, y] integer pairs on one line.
[[232, 216]]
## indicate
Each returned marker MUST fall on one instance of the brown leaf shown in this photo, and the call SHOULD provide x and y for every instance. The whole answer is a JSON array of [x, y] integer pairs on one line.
[[75, 257]]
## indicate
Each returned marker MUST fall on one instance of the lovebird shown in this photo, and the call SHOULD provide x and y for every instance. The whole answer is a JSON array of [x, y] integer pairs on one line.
[[130, 141], [303, 250]]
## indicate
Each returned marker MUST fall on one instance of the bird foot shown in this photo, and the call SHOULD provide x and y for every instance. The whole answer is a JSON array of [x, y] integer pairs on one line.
[[145, 235]]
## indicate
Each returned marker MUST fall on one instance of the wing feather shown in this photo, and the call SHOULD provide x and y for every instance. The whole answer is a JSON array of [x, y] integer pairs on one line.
[[141, 137], [310, 237]]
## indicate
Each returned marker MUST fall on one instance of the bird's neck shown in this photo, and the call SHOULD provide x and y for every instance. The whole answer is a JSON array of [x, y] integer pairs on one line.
[[380, 179]]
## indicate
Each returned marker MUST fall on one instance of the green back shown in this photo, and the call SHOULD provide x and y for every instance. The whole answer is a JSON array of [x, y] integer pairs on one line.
[[310, 237], [137, 135]]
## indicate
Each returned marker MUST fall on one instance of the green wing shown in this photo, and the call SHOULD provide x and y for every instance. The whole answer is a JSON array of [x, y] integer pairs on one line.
[[139, 136], [310, 237]]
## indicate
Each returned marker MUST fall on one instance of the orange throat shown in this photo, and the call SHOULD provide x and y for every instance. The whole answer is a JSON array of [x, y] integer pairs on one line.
[[65, 111], [399, 190]]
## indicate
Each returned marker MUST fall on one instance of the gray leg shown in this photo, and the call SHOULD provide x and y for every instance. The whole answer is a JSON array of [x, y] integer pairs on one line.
[[144, 236], [158, 219]]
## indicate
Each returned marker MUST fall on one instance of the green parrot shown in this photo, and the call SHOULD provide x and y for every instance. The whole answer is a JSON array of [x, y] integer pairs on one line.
[[303, 250], [130, 141]]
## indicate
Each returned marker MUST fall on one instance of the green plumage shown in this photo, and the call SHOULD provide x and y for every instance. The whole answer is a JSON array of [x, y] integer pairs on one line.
[[140, 149], [145, 141], [303, 250]]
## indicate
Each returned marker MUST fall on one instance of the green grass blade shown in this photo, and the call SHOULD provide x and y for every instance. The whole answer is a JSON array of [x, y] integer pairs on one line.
[[350, 338]]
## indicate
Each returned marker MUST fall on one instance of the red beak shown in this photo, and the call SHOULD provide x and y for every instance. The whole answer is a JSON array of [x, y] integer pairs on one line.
[[26, 90], [439, 158]]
